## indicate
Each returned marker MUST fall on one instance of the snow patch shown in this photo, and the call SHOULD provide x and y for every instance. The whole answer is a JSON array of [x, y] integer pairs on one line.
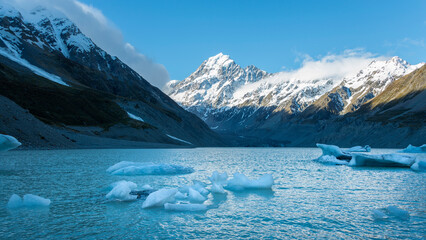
[[132, 116], [178, 139]]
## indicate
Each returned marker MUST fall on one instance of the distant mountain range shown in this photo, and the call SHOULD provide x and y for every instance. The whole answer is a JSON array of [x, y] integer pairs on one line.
[[255, 108], [51, 71]]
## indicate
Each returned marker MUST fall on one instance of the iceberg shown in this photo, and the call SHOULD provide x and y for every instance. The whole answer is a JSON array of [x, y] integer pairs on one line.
[[15, 201], [29, 200], [390, 211], [382, 160], [195, 197], [330, 160], [241, 182], [180, 195], [139, 168], [217, 188], [379, 215], [366, 148], [121, 191], [159, 198], [219, 178], [8, 142], [185, 207], [333, 150], [419, 165], [414, 149], [397, 212]]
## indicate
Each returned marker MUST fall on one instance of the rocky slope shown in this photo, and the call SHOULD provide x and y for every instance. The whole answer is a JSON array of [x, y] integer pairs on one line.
[[51, 68]]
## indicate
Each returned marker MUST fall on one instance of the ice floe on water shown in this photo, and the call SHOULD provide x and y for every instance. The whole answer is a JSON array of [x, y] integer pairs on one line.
[[390, 212], [241, 182], [366, 148], [121, 191], [331, 160], [29, 201], [333, 150], [414, 149], [419, 165], [382, 160], [140, 168], [160, 197], [193, 197], [8, 142]]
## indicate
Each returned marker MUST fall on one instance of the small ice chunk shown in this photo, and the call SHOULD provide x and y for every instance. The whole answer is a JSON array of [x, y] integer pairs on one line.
[[366, 148], [330, 160], [139, 168], [382, 160], [241, 182], [30, 200], [414, 149], [334, 151], [159, 198], [8, 142], [195, 196], [419, 165], [217, 188], [15, 201], [146, 187], [379, 215], [181, 196], [121, 191], [397, 212], [185, 207], [219, 178], [200, 187]]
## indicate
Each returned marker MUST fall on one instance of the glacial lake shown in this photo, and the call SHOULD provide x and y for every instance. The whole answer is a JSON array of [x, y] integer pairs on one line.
[[309, 200]]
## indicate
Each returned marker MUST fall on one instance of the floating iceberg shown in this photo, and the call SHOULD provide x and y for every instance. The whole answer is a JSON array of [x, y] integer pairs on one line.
[[217, 188], [397, 212], [138, 168], [419, 165], [381, 160], [414, 149], [390, 211], [241, 182], [330, 160], [8, 142], [219, 178], [160, 197], [197, 186], [180, 195], [185, 207], [366, 148], [29, 200], [334, 151], [379, 215], [121, 191], [195, 197]]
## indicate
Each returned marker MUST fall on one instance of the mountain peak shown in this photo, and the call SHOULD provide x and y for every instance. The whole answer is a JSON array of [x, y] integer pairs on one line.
[[219, 60]]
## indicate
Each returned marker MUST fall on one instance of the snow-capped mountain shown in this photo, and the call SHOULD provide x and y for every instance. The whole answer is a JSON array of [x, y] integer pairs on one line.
[[95, 88], [221, 93]]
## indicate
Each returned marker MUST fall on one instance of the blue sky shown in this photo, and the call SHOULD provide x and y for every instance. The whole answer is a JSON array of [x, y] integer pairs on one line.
[[272, 35]]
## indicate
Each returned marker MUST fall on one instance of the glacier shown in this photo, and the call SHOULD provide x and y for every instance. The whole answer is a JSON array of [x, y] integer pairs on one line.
[[8, 142], [140, 168]]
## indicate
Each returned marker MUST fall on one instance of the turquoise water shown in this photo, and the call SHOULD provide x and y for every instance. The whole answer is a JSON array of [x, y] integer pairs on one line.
[[308, 201]]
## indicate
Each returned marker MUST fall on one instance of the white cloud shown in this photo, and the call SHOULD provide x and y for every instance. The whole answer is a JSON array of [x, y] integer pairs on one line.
[[95, 25]]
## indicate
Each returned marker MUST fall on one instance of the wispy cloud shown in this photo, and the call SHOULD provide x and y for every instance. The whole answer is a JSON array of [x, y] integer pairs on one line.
[[102, 31]]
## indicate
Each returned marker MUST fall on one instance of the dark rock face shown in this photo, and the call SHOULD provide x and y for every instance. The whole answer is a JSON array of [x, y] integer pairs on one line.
[[98, 83]]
